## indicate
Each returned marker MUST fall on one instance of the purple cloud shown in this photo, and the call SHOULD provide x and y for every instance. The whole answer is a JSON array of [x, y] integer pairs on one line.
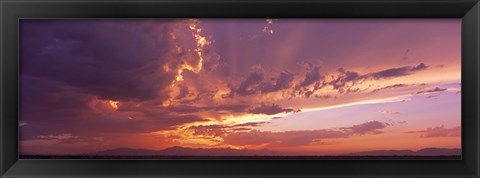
[[311, 77], [249, 85], [270, 109], [283, 81], [397, 72], [435, 90], [302, 137], [116, 60], [390, 87]]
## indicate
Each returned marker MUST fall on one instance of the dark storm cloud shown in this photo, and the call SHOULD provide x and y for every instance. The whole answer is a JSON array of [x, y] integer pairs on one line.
[[51, 108], [118, 60], [70, 68], [46, 105]]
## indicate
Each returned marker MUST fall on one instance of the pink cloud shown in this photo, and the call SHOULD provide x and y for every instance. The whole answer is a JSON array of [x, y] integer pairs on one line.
[[439, 131], [301, 137]]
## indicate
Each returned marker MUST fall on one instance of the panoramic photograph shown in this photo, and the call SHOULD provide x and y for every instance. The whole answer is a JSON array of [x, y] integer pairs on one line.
[[240, 89]]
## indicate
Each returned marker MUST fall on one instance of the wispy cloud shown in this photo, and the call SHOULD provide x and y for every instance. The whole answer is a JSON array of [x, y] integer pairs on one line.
[[397, 72], [271, 109], [389, 112], [64, 136], [435, 90], [438, 131], [293, 138]]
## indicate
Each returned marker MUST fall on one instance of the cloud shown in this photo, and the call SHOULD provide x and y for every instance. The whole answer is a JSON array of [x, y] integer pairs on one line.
[[364, 128], [71, 69], [390, 87], [268, 27], [117, 60], [255, 83], [302, 137], [249, 85], [283, 81], [230, 107], [270, 109], [250, 124], [183, 92], [67, 111], [311, 77], [238, 108], [184, 108], [288, 138], [346, 80], [64, 136], [220, 130], [397, 72], [22, 123], [389, 112], [344, 77], [208, 130], [439, 131], [394, 72], [323, 96], [436, 89], [419, 67]]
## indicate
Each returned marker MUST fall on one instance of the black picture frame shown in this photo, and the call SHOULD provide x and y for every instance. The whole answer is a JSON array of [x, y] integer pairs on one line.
[[13, 10]]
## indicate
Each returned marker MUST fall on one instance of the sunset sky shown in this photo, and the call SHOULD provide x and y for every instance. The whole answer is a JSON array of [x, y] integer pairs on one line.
[[296, 86]]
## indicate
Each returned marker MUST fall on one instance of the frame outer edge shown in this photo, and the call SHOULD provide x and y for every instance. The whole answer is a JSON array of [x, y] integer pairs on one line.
[[7, 160], [471, 27], [477, 54], [4, 167], [2, 171], [474, 15]]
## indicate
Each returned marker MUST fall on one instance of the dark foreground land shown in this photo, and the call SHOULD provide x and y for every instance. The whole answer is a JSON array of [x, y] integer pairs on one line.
[[448, 157]]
